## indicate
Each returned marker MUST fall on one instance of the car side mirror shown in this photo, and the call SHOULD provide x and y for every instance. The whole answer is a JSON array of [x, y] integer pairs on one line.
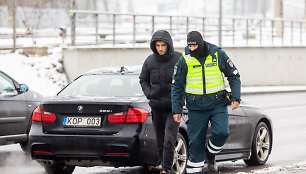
[[23, 88]]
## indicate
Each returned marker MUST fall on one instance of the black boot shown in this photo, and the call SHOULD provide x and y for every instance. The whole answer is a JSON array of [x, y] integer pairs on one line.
[[211, 163]]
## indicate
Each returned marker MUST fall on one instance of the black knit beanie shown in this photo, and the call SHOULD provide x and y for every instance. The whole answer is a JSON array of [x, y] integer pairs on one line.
[[194, 38]]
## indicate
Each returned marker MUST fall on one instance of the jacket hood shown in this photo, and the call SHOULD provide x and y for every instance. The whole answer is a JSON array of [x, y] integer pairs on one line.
[[162, 35]]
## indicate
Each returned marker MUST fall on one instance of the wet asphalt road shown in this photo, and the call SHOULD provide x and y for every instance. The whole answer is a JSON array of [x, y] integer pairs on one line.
[[288, 113]]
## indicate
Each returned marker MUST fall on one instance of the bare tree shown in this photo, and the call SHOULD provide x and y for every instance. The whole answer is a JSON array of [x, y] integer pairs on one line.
[[14, 26], [278, 8], [105, 5], [278, 13], [234, 7], [130, 6], [263, 9], [32, 24]]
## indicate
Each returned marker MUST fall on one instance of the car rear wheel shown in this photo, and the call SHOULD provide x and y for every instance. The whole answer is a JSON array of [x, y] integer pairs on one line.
[[24, 145], [261, 145], [180, 155], [59, 169]]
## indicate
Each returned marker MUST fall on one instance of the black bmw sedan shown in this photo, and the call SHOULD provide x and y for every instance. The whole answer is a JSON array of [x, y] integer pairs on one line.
[[102, 118]]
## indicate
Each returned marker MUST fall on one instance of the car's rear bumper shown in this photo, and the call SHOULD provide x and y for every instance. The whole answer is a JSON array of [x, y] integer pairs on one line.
[[122, 148]]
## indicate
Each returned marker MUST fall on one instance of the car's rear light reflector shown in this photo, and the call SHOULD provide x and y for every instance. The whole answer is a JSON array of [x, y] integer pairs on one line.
[[43, 116], [48, 116], [45, 152], [134, 115], [118, 153], [117, 117]]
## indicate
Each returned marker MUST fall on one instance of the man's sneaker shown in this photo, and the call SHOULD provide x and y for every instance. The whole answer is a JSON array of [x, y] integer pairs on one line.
[[167, 172], [211, 164], [156, 168]]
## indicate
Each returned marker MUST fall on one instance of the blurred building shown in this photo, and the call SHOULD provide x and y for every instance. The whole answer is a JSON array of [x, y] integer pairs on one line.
[[54, 13]]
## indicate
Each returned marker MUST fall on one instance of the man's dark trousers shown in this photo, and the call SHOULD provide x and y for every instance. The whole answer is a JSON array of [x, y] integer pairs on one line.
[[166, 133]]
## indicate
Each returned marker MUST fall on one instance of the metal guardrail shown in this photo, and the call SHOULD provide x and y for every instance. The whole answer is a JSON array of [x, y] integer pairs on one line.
[[94, 27]]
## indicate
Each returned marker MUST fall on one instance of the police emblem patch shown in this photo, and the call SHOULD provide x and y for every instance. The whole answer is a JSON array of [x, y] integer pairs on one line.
[[214, 59], [229, 61], [231, 64]]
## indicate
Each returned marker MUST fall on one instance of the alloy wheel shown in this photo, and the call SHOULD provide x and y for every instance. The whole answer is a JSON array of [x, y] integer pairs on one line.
[[262, 143], [180, 155]]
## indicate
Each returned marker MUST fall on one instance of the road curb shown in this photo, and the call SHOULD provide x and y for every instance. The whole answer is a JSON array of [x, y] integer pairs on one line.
[[270, 92]]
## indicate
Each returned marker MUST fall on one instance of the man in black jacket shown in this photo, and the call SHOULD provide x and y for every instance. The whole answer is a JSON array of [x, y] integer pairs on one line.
[[156, 80]]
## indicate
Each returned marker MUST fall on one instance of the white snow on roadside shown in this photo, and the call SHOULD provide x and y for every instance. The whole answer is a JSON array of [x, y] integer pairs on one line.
[[291, 168], [43, 74], [10, 148]]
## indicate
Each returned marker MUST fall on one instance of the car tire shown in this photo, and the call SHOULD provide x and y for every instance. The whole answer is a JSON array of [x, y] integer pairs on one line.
[[24, 145], [180, 155], [261, 145], [59, 169]]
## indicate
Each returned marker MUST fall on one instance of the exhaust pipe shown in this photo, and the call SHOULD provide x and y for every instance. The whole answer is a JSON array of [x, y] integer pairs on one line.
[[48, 162]]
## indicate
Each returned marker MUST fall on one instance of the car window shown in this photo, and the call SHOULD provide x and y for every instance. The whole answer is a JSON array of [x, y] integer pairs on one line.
[[6, 85], [103, 85]]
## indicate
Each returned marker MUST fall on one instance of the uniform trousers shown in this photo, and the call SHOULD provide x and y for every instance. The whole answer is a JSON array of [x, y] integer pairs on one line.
[[197, 126]]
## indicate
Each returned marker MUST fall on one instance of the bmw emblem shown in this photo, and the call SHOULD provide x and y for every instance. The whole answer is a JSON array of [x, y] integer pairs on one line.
[[80, 108]]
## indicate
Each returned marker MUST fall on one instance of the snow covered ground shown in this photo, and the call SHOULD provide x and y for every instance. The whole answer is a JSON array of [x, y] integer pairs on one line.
[[294, 168], [43, 74], [298, 168]]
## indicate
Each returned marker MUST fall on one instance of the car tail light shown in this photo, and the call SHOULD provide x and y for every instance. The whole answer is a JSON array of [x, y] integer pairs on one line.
[[48, 116], [37, 114], [42, 152], [43, 116], [117, 117], [134, 115]]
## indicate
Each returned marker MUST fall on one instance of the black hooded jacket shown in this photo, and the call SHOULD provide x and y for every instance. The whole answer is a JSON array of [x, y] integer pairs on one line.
[[157, 71]]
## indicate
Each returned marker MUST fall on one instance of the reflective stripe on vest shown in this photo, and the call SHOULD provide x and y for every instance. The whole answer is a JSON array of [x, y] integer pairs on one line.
[[213, 76]]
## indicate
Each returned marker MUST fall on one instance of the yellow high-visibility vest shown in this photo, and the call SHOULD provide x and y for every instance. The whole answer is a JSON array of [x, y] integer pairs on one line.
[[213, 76]]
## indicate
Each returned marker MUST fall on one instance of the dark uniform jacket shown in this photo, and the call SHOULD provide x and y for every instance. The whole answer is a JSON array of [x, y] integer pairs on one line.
[[207, 101], [157, 71]]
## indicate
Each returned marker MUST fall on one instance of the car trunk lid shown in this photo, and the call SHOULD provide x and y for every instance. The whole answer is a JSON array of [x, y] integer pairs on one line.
[[84, 116]]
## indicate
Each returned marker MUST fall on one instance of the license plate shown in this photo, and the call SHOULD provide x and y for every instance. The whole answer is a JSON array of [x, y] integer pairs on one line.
[[82, 122]]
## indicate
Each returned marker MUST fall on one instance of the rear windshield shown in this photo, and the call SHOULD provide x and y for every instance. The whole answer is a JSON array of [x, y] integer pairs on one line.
[[102, 85]]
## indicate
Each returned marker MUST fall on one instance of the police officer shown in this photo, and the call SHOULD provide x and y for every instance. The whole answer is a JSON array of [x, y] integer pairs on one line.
[[199, 75]]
